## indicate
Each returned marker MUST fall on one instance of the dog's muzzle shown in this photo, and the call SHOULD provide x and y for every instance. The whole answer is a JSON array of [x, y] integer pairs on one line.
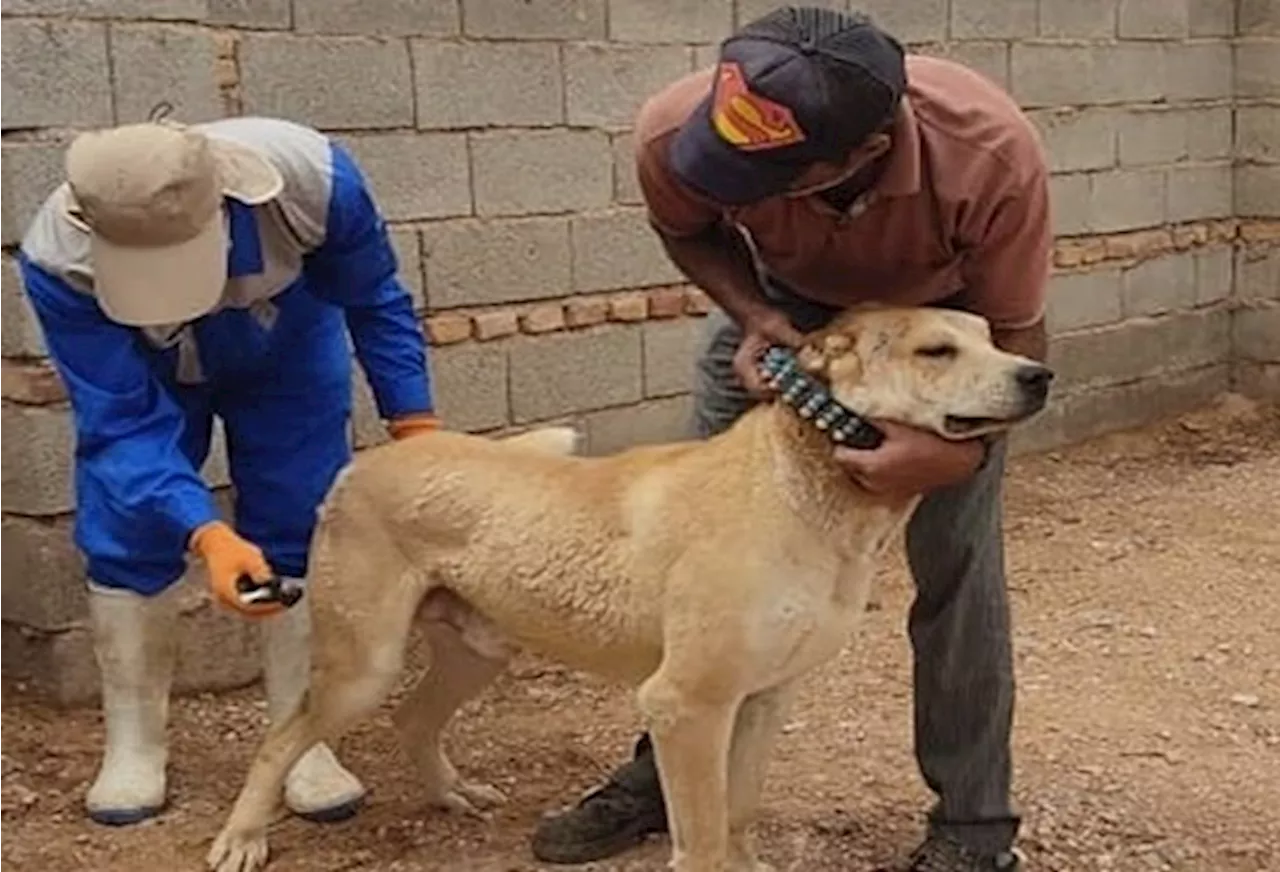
[[1034, 380]]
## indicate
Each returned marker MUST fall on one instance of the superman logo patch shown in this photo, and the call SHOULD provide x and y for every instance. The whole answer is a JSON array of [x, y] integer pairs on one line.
[[747, 120]]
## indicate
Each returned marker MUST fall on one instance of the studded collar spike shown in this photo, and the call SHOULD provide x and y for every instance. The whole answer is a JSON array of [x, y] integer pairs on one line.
[[812, 401]]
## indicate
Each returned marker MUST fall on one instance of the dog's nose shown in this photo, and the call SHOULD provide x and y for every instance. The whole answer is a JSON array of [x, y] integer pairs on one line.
[[1035, 379]]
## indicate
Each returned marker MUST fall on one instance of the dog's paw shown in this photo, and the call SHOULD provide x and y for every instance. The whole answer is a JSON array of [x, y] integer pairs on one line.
[[472, 799], [742, 858], [238, 852]]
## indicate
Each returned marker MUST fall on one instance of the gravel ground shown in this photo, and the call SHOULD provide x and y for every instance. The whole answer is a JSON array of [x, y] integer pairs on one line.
[[1144, 569]]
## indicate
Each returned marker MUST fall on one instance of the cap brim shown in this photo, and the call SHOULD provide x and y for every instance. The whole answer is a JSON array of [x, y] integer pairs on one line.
[[723, 173], [144, 287]]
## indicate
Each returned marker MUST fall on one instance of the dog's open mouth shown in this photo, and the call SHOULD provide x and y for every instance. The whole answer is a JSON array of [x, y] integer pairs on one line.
[[962, 424]]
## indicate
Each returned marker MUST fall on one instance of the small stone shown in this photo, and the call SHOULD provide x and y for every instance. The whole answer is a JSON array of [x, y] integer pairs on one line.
[[1099, 620]]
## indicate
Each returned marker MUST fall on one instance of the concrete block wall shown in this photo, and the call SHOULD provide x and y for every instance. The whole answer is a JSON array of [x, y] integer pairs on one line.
[[1256, 320], [1166, 203], [496, 136]]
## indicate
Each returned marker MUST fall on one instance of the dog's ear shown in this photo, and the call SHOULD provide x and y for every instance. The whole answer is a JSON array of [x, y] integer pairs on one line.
[[815, 356]]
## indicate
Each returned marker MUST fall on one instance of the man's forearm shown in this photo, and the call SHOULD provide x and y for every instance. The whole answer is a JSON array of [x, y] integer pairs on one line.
[[1031, 341], [719, 262], [392, 351]]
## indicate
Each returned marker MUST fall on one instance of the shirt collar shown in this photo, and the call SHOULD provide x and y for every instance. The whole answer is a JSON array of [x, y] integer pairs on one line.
[[244, 256]]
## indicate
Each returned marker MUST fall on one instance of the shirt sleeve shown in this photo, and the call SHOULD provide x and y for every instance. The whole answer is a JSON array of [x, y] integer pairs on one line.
[[128, 427], [673, 208], [1010, 257], [355, 268]]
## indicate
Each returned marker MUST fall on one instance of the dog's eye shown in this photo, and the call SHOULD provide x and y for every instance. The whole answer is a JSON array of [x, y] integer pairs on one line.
[[943, 350]]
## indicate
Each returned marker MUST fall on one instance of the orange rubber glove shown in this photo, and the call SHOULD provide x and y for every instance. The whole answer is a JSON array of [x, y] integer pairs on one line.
[[227, 557], [412, 425]]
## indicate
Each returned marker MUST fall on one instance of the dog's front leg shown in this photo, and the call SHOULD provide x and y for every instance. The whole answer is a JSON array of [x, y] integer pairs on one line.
[[691, 736], [755, 730]]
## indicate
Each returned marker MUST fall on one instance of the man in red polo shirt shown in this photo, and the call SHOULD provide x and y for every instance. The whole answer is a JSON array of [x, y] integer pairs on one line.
[[812, 168]]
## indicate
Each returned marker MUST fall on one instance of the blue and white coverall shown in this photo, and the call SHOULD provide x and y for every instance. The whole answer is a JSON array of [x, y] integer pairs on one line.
[[305, 271]]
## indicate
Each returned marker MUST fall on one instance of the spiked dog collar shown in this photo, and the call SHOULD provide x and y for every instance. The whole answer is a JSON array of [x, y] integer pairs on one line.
[[813, 401]]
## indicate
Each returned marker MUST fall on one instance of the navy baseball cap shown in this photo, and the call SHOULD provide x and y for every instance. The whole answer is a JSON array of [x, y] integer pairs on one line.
[[797, 86]]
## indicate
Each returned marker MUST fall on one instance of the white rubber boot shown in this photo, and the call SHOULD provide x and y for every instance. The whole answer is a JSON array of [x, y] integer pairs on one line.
[[135, 646], [318, 787]]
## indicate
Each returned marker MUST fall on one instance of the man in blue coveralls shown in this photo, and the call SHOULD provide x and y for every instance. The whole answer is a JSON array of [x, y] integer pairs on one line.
[[183, 272]]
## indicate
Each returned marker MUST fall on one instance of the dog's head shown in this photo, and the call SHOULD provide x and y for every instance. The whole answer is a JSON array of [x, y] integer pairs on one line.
[[936, 369]]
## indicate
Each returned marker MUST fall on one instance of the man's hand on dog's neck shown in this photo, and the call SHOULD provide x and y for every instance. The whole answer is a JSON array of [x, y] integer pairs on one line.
[[910, 462]]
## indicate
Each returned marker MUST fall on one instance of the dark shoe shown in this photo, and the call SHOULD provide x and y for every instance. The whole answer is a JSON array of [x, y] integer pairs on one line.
[[940, 853], [609, 820], [124, 817]]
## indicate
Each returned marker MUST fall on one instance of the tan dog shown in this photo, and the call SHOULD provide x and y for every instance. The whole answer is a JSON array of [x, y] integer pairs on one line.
[[711, 575]]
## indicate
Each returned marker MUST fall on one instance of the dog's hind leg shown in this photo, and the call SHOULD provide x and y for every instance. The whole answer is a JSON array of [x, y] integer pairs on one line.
[[759, 721], [346, 686], [466, 655], [357, 652], [339, 696]]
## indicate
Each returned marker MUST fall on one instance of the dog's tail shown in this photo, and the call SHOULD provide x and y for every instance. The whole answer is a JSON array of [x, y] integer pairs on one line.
[[547, 440]]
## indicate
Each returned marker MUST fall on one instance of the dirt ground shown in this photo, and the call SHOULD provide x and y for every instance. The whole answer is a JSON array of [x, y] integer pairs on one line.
[[1145, 576]]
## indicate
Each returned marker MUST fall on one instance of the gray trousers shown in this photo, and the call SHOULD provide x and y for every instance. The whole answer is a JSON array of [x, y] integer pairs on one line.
[[959, 621]]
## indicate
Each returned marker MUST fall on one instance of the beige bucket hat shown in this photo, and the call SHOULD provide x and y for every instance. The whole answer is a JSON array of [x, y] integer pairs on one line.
[[150, 197]]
